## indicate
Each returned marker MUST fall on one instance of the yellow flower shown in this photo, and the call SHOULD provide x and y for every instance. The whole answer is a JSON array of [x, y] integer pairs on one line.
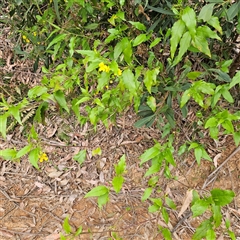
[[43, 157], [103, 67], [24, 37], [35, 34], [119, 72], [107, 87]]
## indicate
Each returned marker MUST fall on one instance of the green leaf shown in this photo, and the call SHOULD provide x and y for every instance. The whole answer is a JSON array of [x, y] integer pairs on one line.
[[121, 166], [198, 154], [214, 22], [118, 50], [155, 42], [97, 192], [189, 18], [205, 155], [207, 32], [34, 156], [233, 11], [156, 165], [150, 153], [211, 122], [60, 98], [166, 233], [182, 149], [80, 157], [184, 45], [92, 26], [14, 110], [97, 151], [214, 132], [147, 193], [169, 157], [3, 125], [117, 183], [8, 154], [103, 81], [206, 12], [200, 42], [143, 121], [127, 50], [138, 25], [185, 97], [139, 39], [210, 234], [37, 91], [178, 29], [82, 100], [201, 231], [228, 126], [151, 102], [78, 232], [217, 216], [24, 151], [150, 78], [129, 81], [165, 215], [103, 199], [235, 80], [57, 39], [66, 225], [200, 206], [222, 197], [170, 203], [227, 95], [236, 137], [153, 208]]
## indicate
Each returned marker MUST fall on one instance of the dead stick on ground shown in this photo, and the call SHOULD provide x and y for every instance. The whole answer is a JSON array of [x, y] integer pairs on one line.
[[213, 175]]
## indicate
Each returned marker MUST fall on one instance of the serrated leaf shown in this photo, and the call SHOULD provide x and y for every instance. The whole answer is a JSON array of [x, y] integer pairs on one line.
[[228, 126], [147, 193], [80, 157], [15, 111], [97, 192], [34, 156], [189, 18], [200, 42], [222, 197], [60, 98], [207, 32], [66, 226], [206, 12], [117, 183]]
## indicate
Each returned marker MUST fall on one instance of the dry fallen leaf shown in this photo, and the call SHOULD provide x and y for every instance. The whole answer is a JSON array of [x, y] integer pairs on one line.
[[186, 202], [53, 236], [215, 159]]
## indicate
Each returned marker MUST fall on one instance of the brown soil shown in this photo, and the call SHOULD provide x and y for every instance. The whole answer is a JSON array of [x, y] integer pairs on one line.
[[34, 204]]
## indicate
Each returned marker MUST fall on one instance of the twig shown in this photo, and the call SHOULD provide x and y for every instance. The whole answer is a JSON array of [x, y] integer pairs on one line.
[[212, 176]]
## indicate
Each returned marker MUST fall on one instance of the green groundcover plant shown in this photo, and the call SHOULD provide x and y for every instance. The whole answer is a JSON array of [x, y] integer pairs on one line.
[[98, 58]]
